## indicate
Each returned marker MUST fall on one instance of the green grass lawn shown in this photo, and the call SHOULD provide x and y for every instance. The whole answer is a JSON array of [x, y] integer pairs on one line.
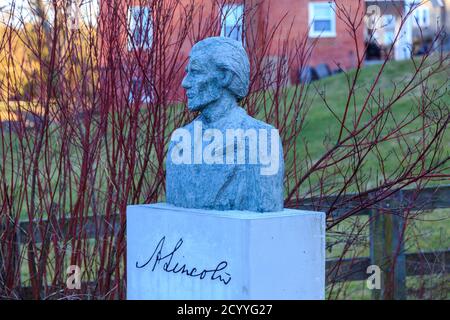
[[321, 127]]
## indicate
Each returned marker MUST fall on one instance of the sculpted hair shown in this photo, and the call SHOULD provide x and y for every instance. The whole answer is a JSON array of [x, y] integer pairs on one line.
[[230, 55]]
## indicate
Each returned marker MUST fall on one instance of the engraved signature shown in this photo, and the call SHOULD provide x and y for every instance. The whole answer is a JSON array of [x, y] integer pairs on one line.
[[217, 273]]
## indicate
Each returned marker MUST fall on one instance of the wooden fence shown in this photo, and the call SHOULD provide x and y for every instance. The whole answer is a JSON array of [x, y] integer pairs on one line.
[[386, 240], [387, 250]]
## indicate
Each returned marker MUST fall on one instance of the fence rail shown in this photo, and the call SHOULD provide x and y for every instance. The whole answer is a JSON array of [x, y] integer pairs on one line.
[[425, 199], [386, 239], [386, 221], [417, 264]]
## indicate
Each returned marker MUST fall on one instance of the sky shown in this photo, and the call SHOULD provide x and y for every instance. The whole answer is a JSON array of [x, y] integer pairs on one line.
[[88, 10]]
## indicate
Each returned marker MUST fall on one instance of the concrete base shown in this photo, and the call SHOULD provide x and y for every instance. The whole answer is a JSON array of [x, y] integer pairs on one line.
[[179, 253]]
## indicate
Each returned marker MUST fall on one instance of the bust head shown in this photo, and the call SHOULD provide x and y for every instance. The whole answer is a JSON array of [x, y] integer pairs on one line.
[[218, 69]]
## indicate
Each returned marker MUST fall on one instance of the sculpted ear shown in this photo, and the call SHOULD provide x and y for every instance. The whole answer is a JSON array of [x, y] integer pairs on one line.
[[226, 78]]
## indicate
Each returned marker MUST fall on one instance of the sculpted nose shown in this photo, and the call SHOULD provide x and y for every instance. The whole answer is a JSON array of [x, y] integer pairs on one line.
[[186, 83]]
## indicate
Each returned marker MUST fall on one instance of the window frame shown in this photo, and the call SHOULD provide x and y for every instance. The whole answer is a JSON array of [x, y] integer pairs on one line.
[[225, 11], [389, 27], [425, 13], [145, 42], [420, 13], [311, 15]]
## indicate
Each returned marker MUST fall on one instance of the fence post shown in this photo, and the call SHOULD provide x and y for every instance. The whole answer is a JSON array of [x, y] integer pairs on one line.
[[387, 249]]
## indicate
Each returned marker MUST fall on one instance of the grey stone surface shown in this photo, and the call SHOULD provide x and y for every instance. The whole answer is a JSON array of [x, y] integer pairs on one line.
[[323, 71], [308, 74], [217, 78]]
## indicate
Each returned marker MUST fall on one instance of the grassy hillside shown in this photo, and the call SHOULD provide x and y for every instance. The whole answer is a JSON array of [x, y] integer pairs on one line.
[[322, 126]]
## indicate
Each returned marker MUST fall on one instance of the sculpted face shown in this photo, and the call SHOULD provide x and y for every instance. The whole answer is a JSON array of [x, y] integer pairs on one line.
[[201, 82]]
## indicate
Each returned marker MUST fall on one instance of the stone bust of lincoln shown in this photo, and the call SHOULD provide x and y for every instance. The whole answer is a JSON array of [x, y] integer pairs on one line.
[[224, 159]]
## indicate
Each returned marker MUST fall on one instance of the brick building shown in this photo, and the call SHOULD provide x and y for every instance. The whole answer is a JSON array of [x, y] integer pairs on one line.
[[129, 27]]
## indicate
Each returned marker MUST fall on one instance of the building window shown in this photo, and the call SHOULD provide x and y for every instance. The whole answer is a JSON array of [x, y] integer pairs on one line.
[[232, 21], [140, 28], [422, 16], [322, 19], [389, 29]]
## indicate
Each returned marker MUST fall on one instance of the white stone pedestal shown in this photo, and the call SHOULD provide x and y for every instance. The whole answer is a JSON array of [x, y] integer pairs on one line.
[[178, 253]]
